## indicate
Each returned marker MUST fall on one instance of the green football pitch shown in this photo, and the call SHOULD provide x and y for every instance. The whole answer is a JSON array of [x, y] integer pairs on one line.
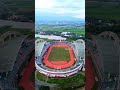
[[59, 53]]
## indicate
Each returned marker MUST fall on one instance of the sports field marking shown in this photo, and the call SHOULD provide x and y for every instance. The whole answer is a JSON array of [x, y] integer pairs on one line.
[[59, 53]]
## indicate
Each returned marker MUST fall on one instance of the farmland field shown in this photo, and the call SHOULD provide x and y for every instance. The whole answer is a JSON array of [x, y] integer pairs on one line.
[[72, 29]]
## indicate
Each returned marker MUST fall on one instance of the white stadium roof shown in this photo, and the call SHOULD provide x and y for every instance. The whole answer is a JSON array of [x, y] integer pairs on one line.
[[8, 53], [51, 37], [39, 44]]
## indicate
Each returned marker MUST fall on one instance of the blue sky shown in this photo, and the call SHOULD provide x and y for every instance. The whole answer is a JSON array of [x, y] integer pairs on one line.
[[60, 9]]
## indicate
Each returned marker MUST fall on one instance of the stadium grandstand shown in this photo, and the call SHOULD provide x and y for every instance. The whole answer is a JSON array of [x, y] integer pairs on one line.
[[39, 44], [104, 50], [9, 41], [13, 55], [76, 61], [79, 49]]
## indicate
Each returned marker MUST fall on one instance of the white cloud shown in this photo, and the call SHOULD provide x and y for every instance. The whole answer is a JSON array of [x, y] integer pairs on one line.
[[45, 4], [79, 16], [75, 8]]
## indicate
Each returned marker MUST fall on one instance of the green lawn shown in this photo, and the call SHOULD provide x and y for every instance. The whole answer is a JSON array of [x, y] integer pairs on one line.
[[74, 81], [59, 53]]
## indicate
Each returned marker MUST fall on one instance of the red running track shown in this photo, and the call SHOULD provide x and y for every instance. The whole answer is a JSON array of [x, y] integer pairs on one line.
[[89, 74], [25, 81], [59, 64]]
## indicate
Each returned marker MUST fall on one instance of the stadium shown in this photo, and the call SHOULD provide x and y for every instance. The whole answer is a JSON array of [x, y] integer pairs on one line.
[[59, 58]]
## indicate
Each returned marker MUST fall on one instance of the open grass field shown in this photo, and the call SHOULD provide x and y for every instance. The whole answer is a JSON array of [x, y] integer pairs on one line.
[[59, 53], [72, 29], [66, 83]]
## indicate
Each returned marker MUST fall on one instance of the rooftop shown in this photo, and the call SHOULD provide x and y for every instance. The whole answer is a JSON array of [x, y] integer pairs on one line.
[[8, 53]]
